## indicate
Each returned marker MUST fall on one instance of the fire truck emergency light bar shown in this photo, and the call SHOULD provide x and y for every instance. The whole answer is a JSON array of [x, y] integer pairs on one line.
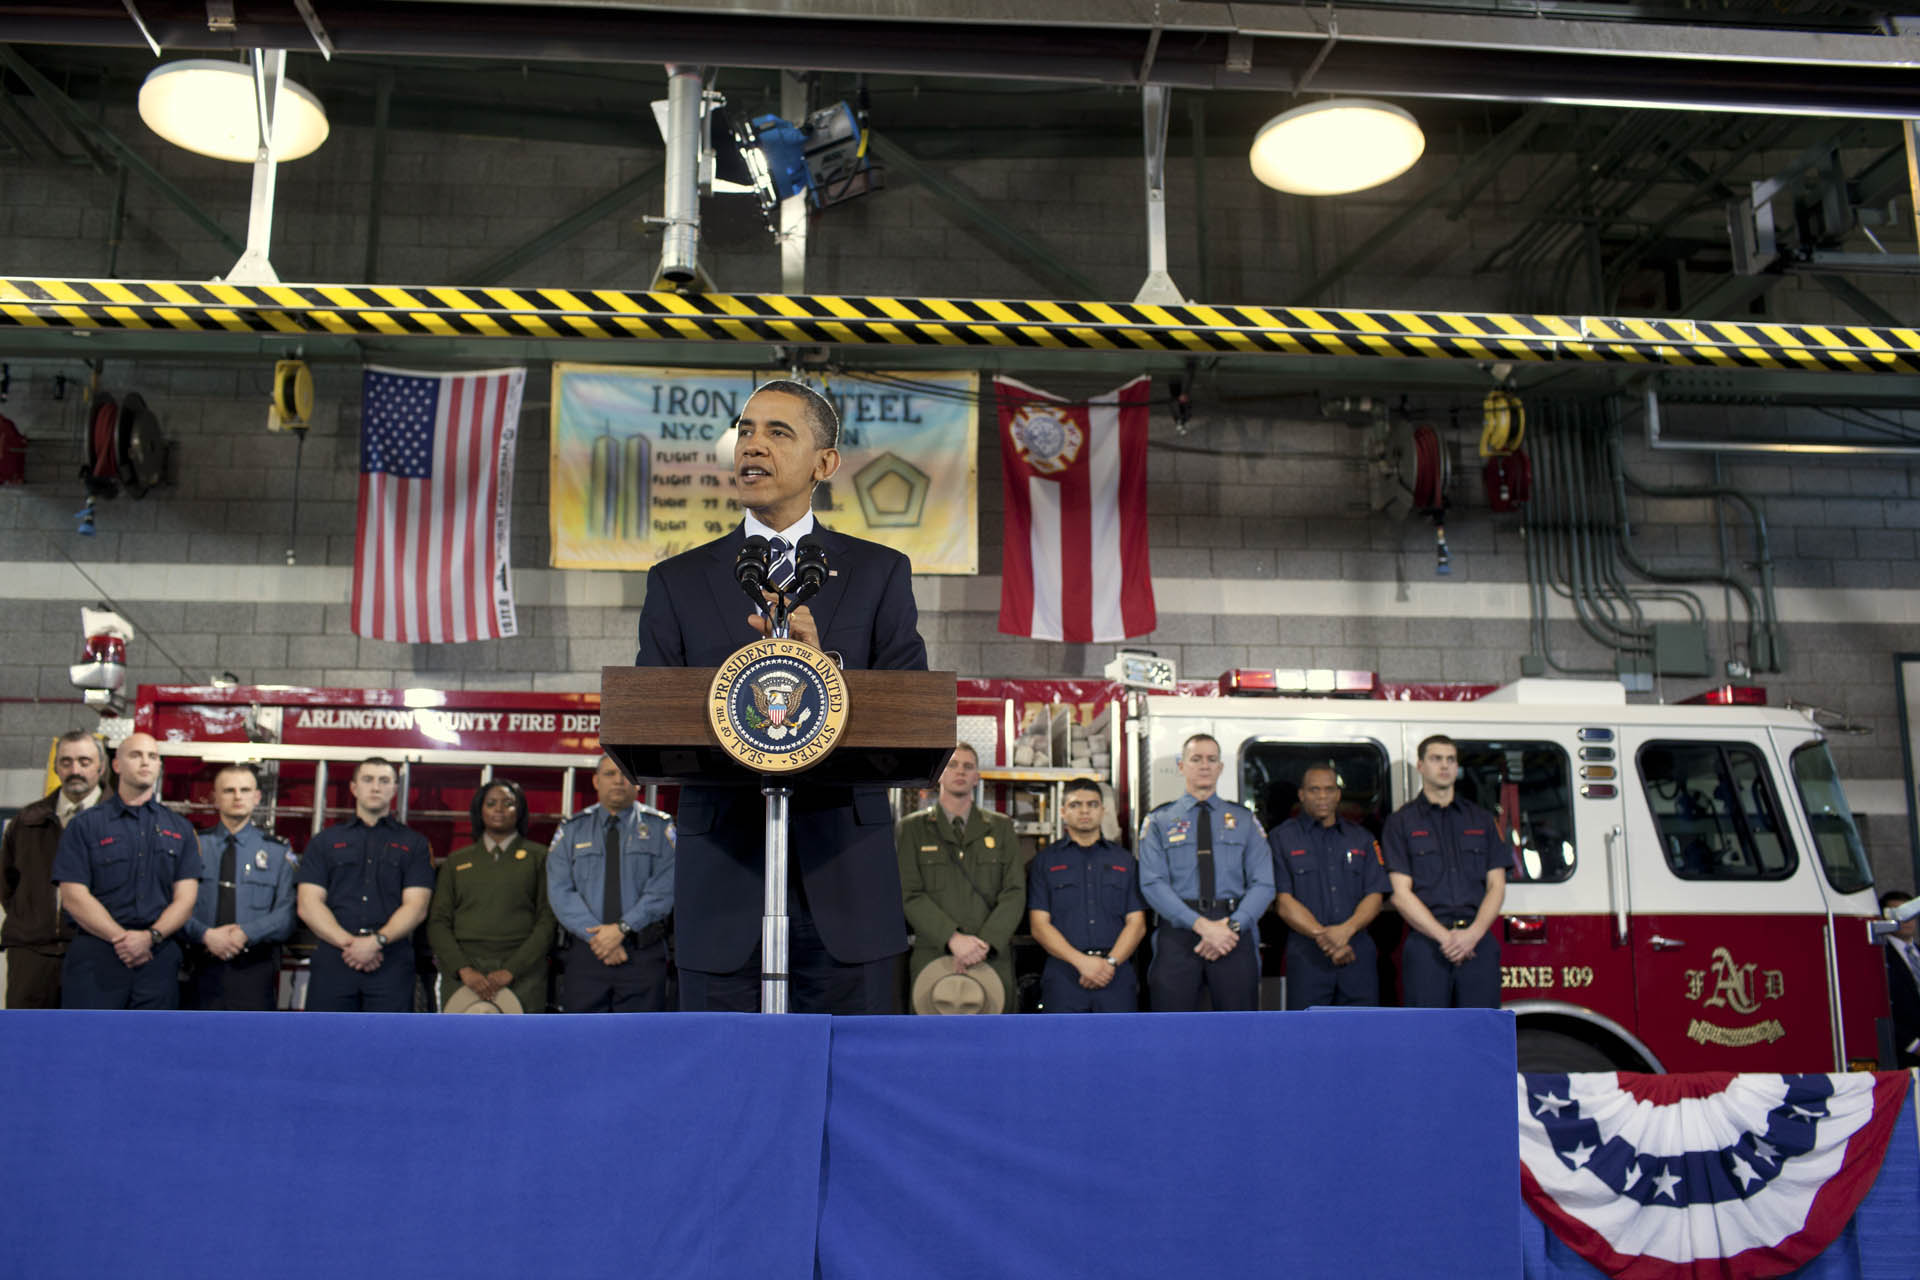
[[1274, 682], [1730, 695]]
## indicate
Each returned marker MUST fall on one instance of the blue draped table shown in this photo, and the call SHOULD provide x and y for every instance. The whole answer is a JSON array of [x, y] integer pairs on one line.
[[1357, 1142]]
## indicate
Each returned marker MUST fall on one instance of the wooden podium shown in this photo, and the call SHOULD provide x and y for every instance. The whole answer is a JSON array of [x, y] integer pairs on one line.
[[900, 729]]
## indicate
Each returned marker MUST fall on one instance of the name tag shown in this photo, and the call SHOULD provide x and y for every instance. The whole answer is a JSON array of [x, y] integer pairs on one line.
[[462, 866]]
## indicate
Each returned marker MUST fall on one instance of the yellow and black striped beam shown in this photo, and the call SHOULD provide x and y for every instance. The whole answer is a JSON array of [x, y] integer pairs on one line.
[[439, 311]]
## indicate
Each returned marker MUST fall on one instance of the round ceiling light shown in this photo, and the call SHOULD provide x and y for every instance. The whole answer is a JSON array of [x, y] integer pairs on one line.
[[207, 107], [1333, 147]]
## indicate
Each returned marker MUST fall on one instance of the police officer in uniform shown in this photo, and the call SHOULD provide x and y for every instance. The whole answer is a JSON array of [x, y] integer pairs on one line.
[[610, 881], [1330, 885], [961, 879], [245, 906], [364, 886], [128, 871], [1085, 910], [1448, 869], [1206, 871]]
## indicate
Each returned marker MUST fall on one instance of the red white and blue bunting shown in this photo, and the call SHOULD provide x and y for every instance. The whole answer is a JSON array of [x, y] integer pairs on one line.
[[1706, 1175]]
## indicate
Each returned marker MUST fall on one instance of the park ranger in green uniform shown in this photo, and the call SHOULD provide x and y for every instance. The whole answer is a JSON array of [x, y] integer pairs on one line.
[[490, 924], [962, 877]]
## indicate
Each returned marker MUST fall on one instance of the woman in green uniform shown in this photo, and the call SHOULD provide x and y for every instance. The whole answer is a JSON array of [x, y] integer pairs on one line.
[[490, 925]]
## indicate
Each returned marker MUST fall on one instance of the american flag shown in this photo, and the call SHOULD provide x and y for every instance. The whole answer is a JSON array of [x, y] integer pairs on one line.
[[436, 499]]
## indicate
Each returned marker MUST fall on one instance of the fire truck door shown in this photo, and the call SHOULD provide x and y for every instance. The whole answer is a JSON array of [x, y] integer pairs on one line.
[[1554, 791], [1728, 921]]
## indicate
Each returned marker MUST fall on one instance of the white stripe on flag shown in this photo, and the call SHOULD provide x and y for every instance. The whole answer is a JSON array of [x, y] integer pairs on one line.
[[1043, 536], [1103, 502], [445, 449]]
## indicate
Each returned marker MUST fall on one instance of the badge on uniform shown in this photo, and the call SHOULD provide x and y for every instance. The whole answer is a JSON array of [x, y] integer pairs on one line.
[[1177, 831], [519, 855], [929, 848], [462, 866], [260, 859], [643, 831], [989, 842], [1227, 820]]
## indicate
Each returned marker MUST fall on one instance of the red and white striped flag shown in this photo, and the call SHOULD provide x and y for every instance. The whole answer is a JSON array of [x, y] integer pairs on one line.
[[1075, 567], [436, 501]]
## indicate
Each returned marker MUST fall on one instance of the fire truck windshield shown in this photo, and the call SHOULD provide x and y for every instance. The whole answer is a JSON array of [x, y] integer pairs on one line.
[[1842, 856]]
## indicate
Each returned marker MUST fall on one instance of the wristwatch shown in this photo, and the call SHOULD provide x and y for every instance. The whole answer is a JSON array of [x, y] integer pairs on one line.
[[158, 937], [380, 938], [1233, 924], [626, 930], [1111, 962]]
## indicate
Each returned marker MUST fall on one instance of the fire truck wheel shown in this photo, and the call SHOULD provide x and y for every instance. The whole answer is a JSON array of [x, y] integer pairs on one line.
[[1542, 1050]]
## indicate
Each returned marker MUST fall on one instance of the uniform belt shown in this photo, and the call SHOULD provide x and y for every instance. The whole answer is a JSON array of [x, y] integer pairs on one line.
[[1209, 907], [1456, 922], [1095, 951]]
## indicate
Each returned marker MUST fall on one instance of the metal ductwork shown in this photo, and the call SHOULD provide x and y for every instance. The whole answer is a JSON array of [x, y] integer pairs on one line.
[[1390, 52]]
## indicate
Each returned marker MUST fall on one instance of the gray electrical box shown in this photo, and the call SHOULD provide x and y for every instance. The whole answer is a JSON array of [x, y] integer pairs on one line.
[[1680, 649]]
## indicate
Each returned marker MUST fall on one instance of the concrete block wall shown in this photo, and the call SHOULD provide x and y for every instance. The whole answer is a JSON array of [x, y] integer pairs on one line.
[[1272, 499]]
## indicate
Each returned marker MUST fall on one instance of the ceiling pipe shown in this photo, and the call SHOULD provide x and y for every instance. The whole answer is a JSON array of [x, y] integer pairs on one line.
[[1392, 53], [680, 215]]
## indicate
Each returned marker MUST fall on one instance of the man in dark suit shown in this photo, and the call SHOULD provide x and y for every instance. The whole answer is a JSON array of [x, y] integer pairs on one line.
[[1903, 983], [843, 893]]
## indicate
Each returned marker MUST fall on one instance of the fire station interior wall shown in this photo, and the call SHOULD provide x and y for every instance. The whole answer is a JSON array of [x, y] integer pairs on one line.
[[1265, 550]]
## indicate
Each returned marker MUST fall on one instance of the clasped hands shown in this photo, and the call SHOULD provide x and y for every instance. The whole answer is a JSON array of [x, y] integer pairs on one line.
[[486, 985], [609, 943]]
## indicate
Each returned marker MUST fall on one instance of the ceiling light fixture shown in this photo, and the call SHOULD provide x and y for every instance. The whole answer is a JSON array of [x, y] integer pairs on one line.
[[1334, 147], [207, 107]]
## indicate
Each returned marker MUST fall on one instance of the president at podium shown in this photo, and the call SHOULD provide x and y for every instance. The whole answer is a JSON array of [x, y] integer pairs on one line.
[[843, 899]]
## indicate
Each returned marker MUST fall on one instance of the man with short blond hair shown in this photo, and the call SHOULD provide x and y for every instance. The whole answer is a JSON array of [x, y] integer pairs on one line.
[[364, 884], [35, 934], [128, 871]]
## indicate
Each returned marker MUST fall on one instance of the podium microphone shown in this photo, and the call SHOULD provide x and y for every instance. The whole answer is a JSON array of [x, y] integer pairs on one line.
[[750, 568], [809, 570]]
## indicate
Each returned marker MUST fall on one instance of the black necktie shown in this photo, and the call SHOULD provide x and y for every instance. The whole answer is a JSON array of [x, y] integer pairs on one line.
[[960, 830], [780, 568], [229, 871], [1203, 847], [610, 887]]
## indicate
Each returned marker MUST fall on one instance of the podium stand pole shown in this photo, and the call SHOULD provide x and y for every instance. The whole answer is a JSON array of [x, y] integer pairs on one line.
[[773, 917]]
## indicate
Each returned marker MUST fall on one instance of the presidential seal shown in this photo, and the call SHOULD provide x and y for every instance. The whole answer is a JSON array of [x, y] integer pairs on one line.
[[778, 706]]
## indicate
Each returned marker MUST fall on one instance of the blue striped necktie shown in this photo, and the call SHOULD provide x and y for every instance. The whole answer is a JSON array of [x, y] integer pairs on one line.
[[780, 571]]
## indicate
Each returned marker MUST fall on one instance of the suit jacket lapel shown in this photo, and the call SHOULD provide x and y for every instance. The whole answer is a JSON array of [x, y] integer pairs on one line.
[[834, 588], [729, 602]]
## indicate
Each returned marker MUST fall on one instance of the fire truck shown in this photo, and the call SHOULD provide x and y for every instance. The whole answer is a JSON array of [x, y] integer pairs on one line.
[[1687, 888]]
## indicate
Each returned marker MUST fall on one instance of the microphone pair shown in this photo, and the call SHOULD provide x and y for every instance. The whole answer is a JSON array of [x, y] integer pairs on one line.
[[755, 561]]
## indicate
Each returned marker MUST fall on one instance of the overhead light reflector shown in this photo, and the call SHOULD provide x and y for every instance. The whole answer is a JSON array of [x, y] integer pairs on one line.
[[207, 107], [1334, 147]]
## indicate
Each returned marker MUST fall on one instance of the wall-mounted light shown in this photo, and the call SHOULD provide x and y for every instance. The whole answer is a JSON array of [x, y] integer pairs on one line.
[[207, 107], [1334, 147]]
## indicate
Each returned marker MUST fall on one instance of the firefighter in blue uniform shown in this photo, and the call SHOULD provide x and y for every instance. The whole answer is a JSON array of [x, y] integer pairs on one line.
[[614, 910], [128, 870], [1448, 869], [245, 907], [1084, 909], [1329, 884], [1206, 871], [364, 885]]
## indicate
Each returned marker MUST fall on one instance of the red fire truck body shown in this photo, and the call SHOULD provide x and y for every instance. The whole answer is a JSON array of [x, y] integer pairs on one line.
[[1687, 888]]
